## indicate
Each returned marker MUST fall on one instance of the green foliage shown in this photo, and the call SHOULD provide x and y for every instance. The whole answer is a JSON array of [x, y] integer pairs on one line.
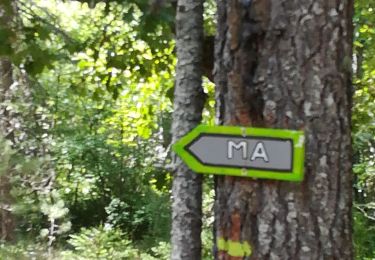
[[23, 250], [208, 219], [93, 244], [103, 149], [101, 243], [98, 106], [364, 130], [108, 243], [209, 16], [209, 109], [146, 218], [364, 237], [26, 175]]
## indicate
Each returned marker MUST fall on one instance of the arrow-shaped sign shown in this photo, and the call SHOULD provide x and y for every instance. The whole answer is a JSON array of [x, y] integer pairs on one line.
[[240, 151]]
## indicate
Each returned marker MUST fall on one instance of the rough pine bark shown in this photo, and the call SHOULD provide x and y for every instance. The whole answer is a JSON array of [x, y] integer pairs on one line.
[[287, 64], [188, 105]]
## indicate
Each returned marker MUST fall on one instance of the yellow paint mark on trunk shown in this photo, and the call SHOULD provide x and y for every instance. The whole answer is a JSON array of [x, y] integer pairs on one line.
[[234, 248]]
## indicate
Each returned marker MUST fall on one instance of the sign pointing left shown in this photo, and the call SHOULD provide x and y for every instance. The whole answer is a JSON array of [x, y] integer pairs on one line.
[[239, 151]]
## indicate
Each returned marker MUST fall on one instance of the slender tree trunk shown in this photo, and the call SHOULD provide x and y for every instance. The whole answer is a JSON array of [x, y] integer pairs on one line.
[[359, 62], [7, 220], [287, 64], [188, 105], [6, 217]]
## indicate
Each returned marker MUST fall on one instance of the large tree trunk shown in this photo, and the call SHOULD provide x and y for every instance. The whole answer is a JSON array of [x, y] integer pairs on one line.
[[286, 64], [188, 105]]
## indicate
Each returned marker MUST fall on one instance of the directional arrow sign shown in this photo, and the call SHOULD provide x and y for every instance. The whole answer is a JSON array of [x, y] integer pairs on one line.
[[240, 151]]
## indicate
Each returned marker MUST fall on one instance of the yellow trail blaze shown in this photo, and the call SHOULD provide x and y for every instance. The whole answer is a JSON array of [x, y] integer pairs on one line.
[[234, 248]]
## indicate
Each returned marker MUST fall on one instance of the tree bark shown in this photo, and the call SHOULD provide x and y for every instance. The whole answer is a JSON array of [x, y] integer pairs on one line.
[[287, 64], [188, 105], [6, 217]]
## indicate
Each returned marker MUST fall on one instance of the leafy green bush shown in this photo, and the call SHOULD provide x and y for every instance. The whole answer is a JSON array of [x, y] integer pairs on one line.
[[145, 219], [100, 243], [12, 252], [108, 243], [364, 237], [25, 250], [89, 244]]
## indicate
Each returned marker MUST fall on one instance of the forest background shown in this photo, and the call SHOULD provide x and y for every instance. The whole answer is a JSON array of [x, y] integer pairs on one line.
[[86, 124]]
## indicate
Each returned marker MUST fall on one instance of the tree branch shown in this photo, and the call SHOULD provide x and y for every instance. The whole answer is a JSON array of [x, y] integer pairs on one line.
[[363, 211]]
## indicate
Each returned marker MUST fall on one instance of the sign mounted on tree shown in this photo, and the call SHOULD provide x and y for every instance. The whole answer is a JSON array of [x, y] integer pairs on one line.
[[247, 152]]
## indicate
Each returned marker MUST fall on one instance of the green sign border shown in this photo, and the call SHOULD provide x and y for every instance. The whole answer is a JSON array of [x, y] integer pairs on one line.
[[296, 174]]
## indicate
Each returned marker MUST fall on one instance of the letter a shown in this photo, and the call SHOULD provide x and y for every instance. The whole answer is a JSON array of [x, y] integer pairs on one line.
[[259, 152]]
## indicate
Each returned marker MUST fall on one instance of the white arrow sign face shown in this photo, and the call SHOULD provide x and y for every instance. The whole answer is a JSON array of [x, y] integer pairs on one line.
[[263, 153]]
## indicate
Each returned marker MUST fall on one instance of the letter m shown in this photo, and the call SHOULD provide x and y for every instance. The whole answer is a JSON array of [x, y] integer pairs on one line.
[[237, 146]]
